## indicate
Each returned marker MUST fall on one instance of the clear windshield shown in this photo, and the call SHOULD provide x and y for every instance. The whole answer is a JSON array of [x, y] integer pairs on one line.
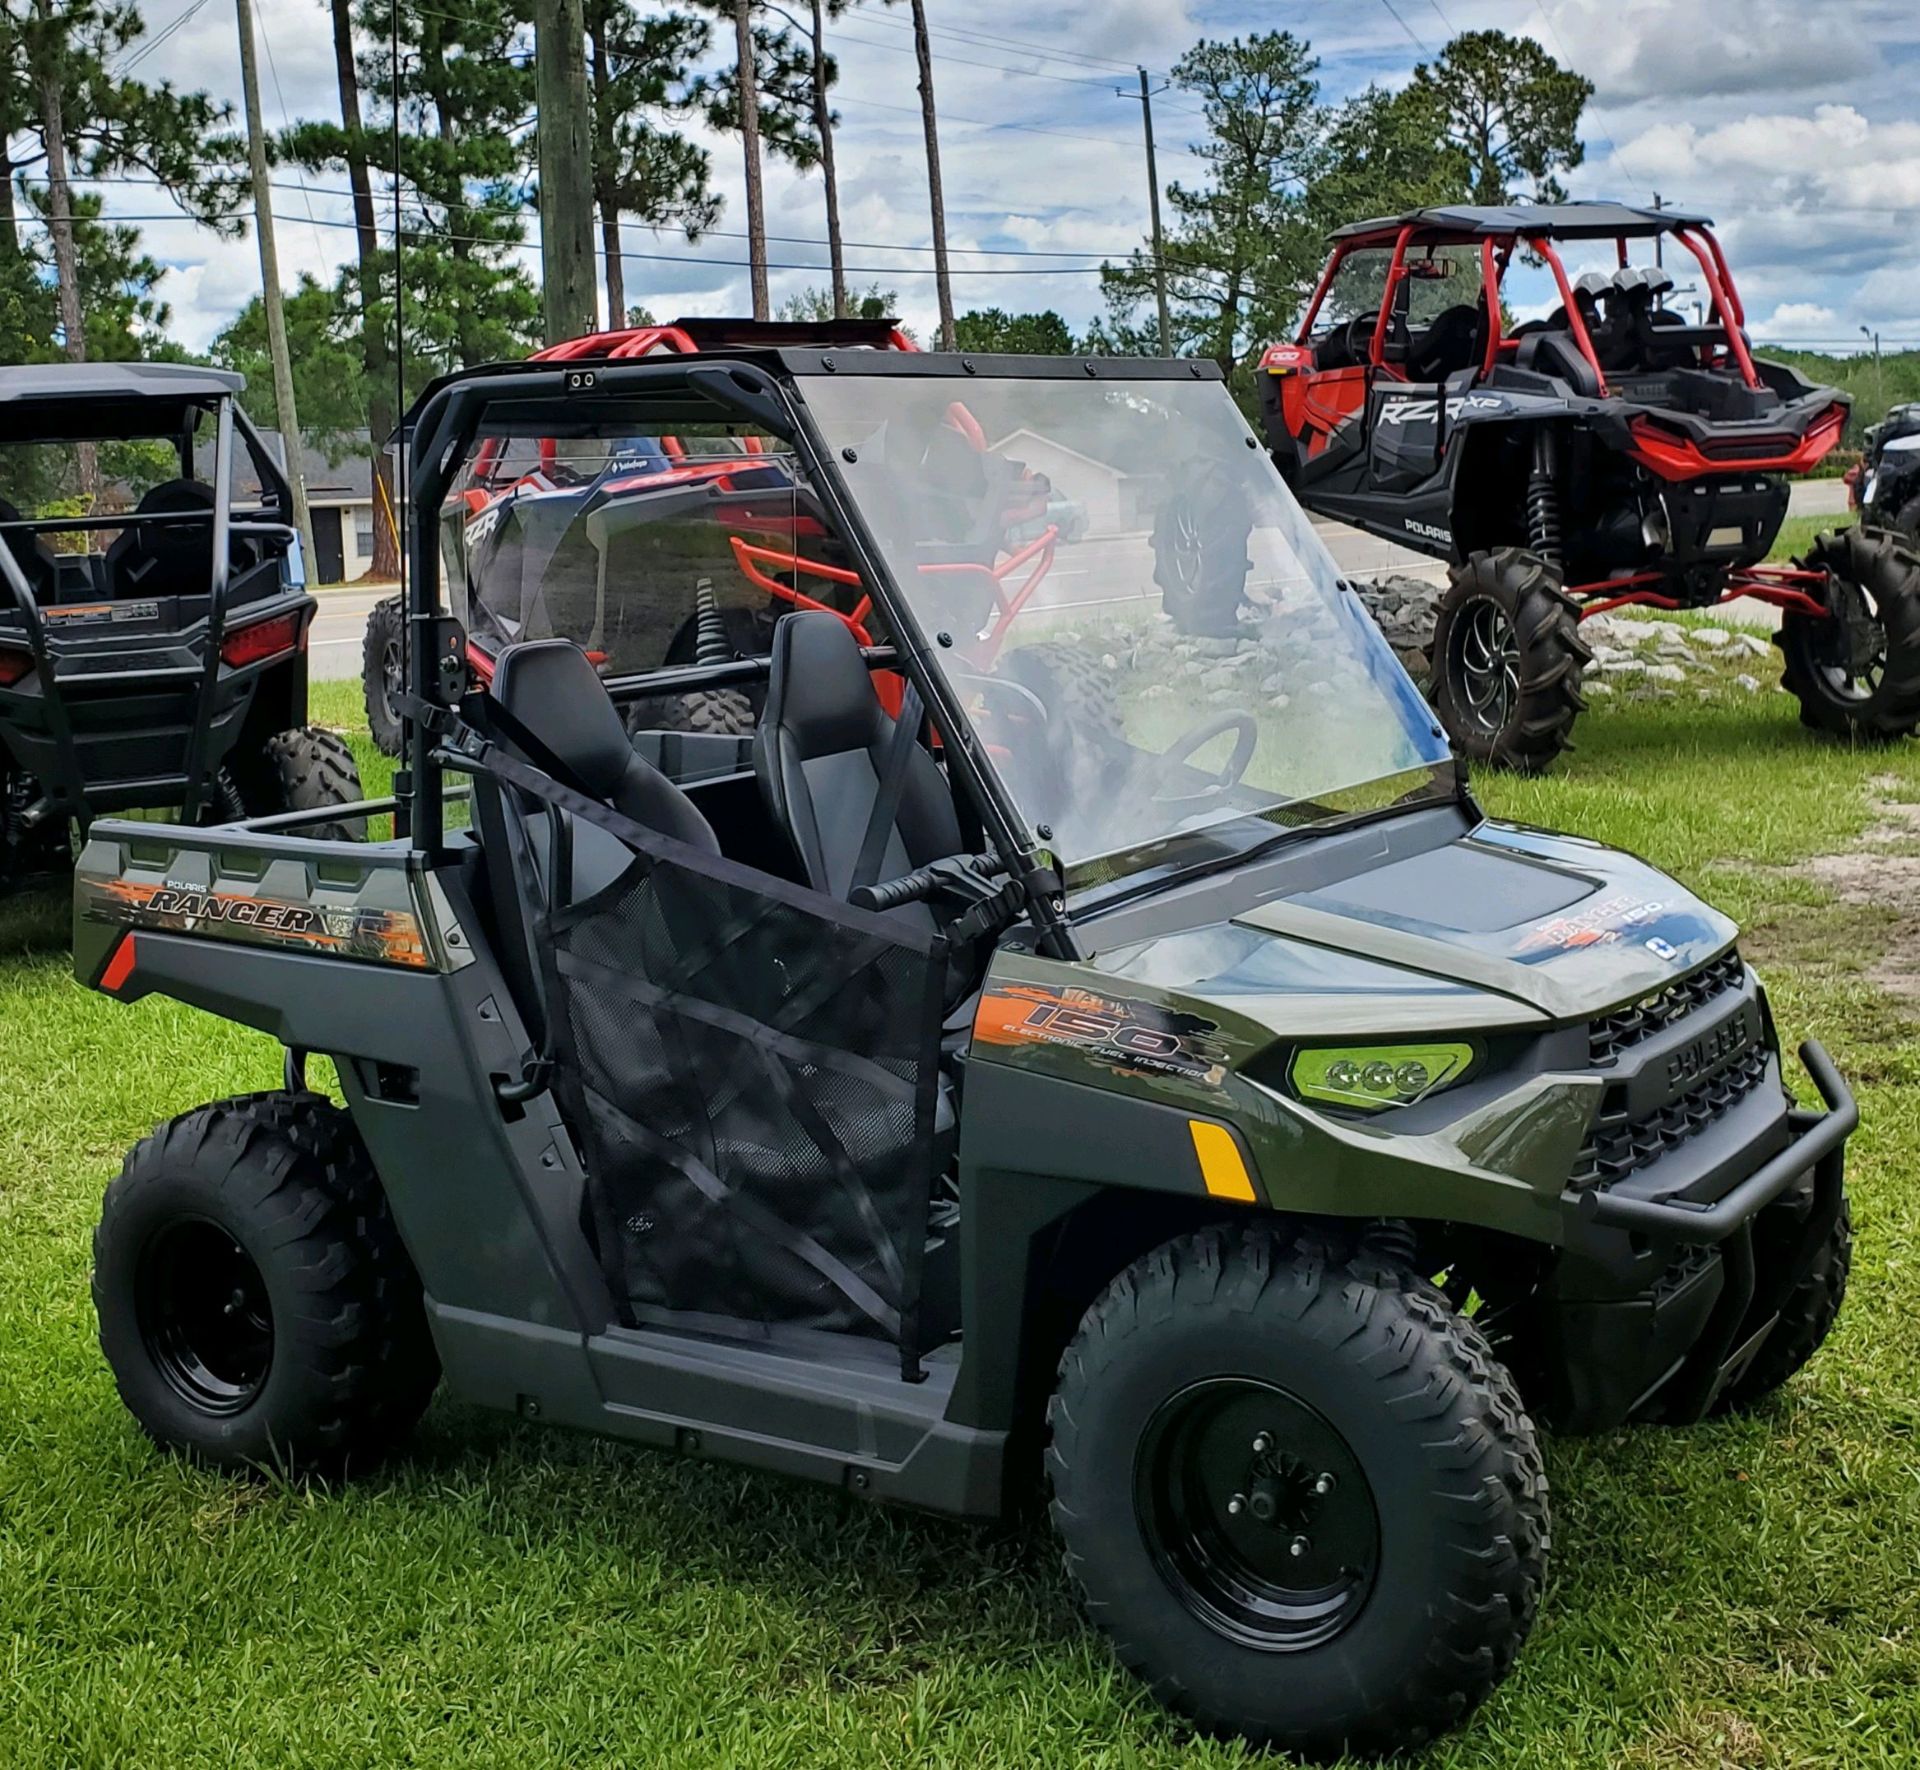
[[1152, 643]]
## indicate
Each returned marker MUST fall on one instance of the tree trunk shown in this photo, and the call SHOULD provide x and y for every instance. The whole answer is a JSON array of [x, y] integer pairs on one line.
[[376, 359], [566, 160], [616, 271], [747, 87], [66, 262], [923, 48], [823, 122]]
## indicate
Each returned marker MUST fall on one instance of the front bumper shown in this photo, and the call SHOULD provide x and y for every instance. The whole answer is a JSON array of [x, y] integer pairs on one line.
[[1815, 1137], [1661, 1303]]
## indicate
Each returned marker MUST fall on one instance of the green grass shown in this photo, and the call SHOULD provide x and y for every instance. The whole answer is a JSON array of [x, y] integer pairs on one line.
[[1797, 534], [1741, 1593]]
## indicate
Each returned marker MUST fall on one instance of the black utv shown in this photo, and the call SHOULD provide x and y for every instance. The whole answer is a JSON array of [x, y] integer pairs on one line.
[[1612, 453], [1887, 490], [1180, 1093], [167, 668]]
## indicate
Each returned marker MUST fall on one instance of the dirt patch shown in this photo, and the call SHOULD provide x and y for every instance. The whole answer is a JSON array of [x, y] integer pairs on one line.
[[1881, 873]]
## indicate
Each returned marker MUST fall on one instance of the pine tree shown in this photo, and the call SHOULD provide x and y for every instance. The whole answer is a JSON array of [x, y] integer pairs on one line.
[[640, 69]]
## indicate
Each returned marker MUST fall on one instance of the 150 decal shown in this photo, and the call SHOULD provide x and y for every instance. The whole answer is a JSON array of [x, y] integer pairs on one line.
[[1129, 1037]]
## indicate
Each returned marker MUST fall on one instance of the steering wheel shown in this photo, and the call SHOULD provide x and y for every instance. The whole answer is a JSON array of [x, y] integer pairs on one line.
[[1161, 768], [1357, 337]]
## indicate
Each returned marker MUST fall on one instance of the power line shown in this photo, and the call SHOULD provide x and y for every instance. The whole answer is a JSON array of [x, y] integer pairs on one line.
[[995, 39]]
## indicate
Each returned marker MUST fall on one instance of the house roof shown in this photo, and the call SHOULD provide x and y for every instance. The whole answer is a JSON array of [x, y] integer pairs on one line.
[[347, 481]]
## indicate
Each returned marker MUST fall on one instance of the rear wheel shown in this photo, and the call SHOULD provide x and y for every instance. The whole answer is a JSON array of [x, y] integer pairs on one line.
[[1507, 659], [255, 1307], [304, 770], [1856, 670], [1298, 1492], [383, 672], [714, 712]]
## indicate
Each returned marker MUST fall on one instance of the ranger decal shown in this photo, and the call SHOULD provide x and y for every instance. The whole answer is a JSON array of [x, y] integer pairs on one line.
[[387, 937]]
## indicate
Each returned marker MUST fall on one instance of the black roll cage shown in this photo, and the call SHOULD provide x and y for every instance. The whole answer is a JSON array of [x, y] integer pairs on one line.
[[228, 418], [758, 386]]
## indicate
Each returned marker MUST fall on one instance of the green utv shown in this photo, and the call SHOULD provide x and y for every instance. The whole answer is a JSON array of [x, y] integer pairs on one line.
[[1045, 1041]]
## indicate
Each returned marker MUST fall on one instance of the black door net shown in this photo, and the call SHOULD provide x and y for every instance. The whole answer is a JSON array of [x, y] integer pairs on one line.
[[750, 1069]]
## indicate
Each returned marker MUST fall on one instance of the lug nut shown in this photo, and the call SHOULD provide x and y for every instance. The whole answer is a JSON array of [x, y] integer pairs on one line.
[[1298, 1547], [1236, 1505], [1262, 1443], [1323, 1485]]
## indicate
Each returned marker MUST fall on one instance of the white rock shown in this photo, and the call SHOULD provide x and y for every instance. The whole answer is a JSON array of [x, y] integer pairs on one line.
[[1715, 637], [1590, 689], [1666, 673], [1750, 683], [1627, 666], [1752, 644], [1108, 661], [1157, 692]]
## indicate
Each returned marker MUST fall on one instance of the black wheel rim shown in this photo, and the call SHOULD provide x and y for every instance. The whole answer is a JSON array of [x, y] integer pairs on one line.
[[1485, 655], [204, 1316], [1850, 646], [393, 672], [1257, 1514]]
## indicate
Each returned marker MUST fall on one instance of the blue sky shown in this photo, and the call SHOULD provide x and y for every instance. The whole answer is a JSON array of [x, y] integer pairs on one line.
[[1793, 125]]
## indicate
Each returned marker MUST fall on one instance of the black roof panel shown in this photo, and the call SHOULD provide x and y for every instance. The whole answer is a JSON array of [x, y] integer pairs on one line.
[[1566, 221]]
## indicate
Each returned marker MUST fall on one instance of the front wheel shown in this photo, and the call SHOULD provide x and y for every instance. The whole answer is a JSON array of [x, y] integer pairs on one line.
[[1507, 659], [1856, 669], [383, 673], [1297, 1492]]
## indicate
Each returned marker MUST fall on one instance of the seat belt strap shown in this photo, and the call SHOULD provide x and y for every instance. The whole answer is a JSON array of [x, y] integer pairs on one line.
[[886, 800]]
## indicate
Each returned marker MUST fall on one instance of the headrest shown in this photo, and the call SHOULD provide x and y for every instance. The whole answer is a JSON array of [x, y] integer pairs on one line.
[[1595, 283], [1631, 279], [820, 694], [551, 688], [172, 496]]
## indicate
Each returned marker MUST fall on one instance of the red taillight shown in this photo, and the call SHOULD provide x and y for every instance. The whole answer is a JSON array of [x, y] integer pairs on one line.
[[13, 665], [264, 639]]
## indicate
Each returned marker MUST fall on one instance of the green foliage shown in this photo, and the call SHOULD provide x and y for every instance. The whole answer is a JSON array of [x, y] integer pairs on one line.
[[783, 66], [1509, 108], [640, 67], [323, 344], [465, 93], [1021, 334], [815, 304], [1244, 246]]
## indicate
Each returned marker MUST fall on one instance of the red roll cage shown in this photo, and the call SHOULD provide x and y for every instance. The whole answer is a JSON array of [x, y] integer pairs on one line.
[[1496, 250]]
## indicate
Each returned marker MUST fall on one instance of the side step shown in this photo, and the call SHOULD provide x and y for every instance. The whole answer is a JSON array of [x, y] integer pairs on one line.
[[826, 1407]]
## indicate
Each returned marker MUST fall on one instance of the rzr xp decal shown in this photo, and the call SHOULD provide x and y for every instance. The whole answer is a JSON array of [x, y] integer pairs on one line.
[[1126, 1036], [386, 937]]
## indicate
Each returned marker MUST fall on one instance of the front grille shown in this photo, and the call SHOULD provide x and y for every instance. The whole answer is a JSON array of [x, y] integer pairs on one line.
[[1625, 1027], [1618, 1145]]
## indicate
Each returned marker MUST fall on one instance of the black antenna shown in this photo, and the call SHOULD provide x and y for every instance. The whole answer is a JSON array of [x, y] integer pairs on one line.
[[404, 780]]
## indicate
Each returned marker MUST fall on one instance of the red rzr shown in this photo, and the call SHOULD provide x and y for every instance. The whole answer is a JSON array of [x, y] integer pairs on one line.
[[1610, 453]]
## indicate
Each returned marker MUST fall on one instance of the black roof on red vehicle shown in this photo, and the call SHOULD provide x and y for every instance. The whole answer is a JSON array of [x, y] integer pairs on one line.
[[1565, 221]]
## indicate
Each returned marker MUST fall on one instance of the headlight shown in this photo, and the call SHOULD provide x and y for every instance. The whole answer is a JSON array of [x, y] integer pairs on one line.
[[1371, 1078]]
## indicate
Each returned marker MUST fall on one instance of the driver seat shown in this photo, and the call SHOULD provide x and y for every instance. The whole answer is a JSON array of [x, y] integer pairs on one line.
[[819, 755], [33, 556]]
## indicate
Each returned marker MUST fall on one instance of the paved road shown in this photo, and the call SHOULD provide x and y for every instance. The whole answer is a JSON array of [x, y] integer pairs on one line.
[[339, 628]]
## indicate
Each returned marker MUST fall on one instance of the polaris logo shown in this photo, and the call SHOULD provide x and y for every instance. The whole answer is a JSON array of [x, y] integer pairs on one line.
[[1710, 1052], [1431, 531]]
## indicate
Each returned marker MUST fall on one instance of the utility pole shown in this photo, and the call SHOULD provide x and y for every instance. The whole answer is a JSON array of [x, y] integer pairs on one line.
[[289, 418], [1659, 240], [1153, 196], [566, 177], [1879, 386], [746, 81], [943, 284]]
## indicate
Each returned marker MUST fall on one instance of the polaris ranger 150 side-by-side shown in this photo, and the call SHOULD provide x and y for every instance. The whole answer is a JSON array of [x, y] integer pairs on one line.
[[1607, 455], [168, 669], [1181, 1091]]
